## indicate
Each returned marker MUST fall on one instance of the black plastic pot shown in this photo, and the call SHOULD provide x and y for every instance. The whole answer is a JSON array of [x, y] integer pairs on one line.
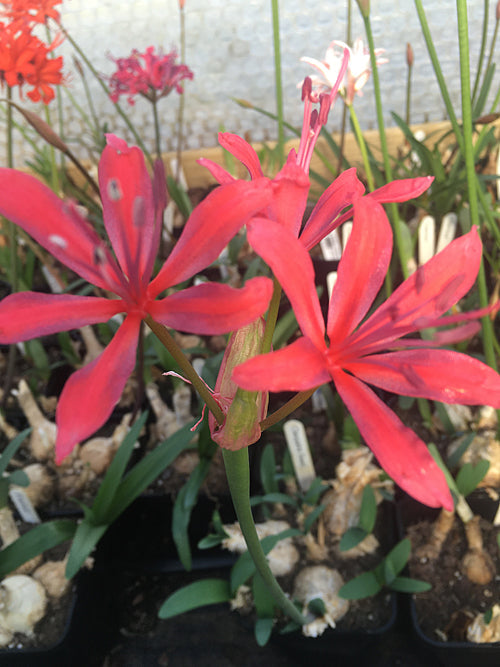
[[88, 632]]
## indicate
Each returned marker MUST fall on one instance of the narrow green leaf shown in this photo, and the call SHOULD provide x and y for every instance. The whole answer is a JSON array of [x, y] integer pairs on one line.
[[368, 511], [262, 630], [34, 542], [268, 470], [398, 556], [351, 538], [84, 542], [210, 541], [470, 475], [19, 477], [198, 594], [183, 507], [363, 586], [313, 517], [407, 585], [273, 498], [11, 449], [109, 485], [454, 459]]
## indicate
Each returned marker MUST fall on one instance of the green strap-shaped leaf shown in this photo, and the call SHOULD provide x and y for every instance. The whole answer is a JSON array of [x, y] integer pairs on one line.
[[197, 594], [34, 542], [11, 449], [363, 586]]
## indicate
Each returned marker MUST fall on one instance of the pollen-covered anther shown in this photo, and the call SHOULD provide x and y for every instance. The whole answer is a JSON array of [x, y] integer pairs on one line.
[[114, 190], [58, 241]]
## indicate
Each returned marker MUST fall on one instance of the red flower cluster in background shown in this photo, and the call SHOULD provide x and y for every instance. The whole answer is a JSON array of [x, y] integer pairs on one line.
[[24, 58], [152, 75]]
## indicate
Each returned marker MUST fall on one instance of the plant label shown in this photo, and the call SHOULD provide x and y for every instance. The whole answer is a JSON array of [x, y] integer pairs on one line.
[[426, 239], [331, 247], [298, 446]]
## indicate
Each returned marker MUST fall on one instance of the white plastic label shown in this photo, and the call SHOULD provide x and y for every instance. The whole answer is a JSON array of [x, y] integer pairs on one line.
[[426, 239], [298, 446], [446, 231], [330, 246], [23, 505]]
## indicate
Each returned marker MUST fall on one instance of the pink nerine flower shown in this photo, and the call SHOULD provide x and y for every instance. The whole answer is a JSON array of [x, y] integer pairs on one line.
[[290, 187], [152, 75], [132, 207], [375, 352], [357, 74]]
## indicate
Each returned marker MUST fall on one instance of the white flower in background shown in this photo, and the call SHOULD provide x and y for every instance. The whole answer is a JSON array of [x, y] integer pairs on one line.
[[358, 70]]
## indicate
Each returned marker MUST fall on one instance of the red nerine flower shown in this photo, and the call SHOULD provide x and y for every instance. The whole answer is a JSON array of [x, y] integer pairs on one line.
[[132, 207], [25, 60], [152, 75], [31, 11], [376, 352], [291, 185]]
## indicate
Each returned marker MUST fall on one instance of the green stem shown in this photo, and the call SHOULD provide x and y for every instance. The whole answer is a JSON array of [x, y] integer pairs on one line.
[[238, 476], [272, 316], [54, 174], [180, 114], [492, 47], [287, 409], [168, 341], [157, 128], [483, 47], [278, 82], [468, 151], [393, 209], [408, 95], [362, 147]]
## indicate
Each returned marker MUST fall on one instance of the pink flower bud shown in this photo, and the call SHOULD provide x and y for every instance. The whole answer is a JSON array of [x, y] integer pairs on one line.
[[364, 6], [409, 55]]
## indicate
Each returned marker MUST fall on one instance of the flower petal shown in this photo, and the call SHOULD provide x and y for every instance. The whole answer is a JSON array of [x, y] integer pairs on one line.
[[344, 190], [211, 308], [439, 375], [361, 270], [293, 268], [278, 371], [426, 294], [219, 173], [128, 206], [242, 151], [57, 226], [26, 315], [290, 191], [398, 450], [90, 394], [401, 190], [211, 226]]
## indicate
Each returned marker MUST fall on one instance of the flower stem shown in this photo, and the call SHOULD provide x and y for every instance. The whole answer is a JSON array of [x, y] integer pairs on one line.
[[362, 147], [238, 476], [180, 114], [168, 341], [279, 85], [468, 150], [157, 129], [287, 409], [272, 316], [483, 47]]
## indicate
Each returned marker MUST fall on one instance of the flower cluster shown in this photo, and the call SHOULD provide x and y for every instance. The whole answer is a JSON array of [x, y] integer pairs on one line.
[[24, 58], [356, 75], [152, 75]]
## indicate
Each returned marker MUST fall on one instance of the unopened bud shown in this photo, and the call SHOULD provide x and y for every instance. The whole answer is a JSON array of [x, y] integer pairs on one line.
[[364, 6], [498, 11], [409, 55], [246, 408]]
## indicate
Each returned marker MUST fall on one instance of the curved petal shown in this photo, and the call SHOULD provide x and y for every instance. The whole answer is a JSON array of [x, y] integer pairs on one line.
[[278, 371], [26, 315], [290, 190], [212, 308], [57, 226], [398, 450], [401, 190], [425, 295], [361, 270], [128, 206], [344, 191], [219, 173], [211, 226], [90, 394], [293, 268], [439, 375], [242, 151]]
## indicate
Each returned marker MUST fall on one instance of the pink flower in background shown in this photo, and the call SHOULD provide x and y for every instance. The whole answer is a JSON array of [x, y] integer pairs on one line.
[[133, 207], [357, 74], [376, 351], [152, 75], [30, 11]]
